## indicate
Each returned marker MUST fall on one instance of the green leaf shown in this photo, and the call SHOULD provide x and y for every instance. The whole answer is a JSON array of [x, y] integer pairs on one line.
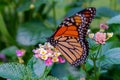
[[89, 64], [11, 52], [114, 20], [73, 11], [47, 70], [92, 45], [15, 71], [3, 29], [109, 46], [37, 66], [112, 56], [26, 5], [103, 12], [3, 4], [67, 70], [114, 72], [31, 33], [37, 3], [51, 78], [56, 71], [115, 28], [102, 55]]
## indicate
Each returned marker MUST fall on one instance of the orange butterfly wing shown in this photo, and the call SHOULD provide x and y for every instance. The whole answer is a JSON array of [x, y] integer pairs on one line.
[[69, 38], [67, 31]]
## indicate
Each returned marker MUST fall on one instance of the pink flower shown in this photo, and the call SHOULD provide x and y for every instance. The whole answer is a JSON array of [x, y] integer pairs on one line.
[[3, 57], [37, 55], [48, 62], [20, 53], [61, 60], [103, 26], [100, 38], [36, 51], [49, 51]]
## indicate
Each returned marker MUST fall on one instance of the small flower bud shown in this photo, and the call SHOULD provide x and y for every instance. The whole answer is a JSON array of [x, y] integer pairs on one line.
[[88, 31], [20, 53], [109, 34], [82, 78], [3, 57], [103, 26], [91, 35], [32, 6]]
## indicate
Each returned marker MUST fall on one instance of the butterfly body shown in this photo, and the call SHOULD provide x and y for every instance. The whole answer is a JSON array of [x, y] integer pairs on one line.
[[70, 39]]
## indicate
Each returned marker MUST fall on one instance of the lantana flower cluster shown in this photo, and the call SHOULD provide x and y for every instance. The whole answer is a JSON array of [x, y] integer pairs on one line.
[[101, 36], [48, 53]]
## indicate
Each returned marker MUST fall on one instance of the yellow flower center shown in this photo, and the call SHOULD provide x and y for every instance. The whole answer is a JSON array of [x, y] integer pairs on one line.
[[57, 54], [43, 52], [44, 57], [55, 59]]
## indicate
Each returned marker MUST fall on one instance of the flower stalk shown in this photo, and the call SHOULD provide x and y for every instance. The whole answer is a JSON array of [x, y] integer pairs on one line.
[[100, 38]]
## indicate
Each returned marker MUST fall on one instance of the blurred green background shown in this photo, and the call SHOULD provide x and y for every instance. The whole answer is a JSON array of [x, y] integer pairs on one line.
[[25, 23]]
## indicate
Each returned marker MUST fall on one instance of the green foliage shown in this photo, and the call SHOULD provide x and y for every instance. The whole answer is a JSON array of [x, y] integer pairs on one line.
[[51, 78], [25, 23], [114, 20], [109, 46], [37, 67], [35, 70], [3, 30], [31, 33], [10, 52], [73, 11], [103, 12], [112, 56], [25, 6], [15, 71]]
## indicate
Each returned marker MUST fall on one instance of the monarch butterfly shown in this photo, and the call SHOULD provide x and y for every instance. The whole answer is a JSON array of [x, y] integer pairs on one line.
[[69, 38]]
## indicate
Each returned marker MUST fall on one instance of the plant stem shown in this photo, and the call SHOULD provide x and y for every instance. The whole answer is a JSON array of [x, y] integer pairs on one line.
[[98, 51], [95, 69], [7, 37], [115, 4], [84, 68], [46, 71], [99, 67], [94, 62]]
